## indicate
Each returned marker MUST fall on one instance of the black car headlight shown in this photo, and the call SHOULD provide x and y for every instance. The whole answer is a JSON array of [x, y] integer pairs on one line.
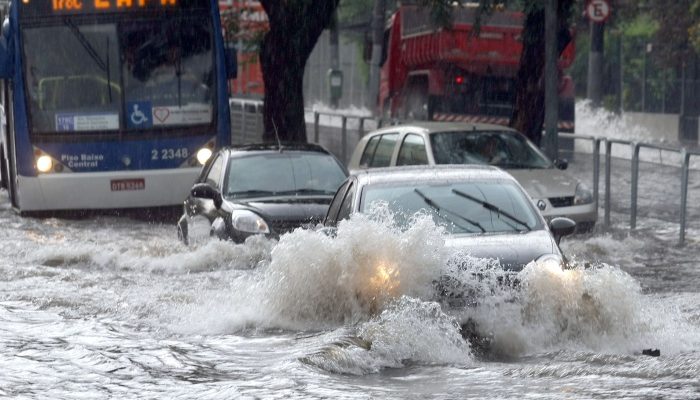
[[248, 222], [583, 195]]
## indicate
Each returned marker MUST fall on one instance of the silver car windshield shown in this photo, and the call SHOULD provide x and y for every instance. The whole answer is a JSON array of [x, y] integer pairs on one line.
[[472, 207], [286, 173], [500, 148]]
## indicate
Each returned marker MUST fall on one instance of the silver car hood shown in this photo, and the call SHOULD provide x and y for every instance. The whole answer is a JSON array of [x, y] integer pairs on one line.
[[513, 251], [545, 183]]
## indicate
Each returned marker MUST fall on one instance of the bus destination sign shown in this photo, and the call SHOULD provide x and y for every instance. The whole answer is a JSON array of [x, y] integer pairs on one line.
[[38, 8]]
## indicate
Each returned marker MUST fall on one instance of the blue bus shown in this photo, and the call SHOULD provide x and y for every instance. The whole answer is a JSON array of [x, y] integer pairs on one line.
[[111, 103]]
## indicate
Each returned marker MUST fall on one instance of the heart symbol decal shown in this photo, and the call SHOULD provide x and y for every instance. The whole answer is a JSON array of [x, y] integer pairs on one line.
[[161, 114]]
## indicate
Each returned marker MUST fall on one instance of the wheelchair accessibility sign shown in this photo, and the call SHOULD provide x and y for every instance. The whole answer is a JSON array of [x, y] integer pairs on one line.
[[139, 114]]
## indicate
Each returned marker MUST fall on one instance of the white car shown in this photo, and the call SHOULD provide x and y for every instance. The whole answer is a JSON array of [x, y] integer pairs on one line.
[[555, 192]]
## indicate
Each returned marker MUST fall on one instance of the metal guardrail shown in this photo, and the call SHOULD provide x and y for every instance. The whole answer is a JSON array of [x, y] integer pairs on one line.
[[343, 128], [635, 148], [246, 120]]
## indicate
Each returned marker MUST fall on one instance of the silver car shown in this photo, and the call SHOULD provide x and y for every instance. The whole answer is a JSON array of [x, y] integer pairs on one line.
[[555, 192], [484, 211]]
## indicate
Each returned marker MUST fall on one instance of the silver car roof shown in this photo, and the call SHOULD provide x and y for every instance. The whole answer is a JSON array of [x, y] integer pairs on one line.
[[417, 174]]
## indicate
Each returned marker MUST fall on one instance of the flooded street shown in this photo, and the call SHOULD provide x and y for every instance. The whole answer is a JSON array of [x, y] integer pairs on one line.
[[114, 307]]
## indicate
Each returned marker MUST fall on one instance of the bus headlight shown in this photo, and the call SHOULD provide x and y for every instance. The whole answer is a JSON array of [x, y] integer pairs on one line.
[[248, 222], [203, 155], [44, 163]]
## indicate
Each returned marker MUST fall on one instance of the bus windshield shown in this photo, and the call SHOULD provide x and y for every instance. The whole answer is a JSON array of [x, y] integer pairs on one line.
[[125, 75]]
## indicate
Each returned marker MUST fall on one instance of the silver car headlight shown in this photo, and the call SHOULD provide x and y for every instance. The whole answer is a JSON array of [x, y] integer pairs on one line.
[[550, 261], [249, 222], [583, 195]]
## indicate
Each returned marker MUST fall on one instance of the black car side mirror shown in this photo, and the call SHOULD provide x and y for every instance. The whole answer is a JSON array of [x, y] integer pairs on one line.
[[561, 163], [561, 226], [207, 191]]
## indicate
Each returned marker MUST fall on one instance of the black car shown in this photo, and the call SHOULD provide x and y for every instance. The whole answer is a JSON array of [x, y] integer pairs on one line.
[[263, 189]]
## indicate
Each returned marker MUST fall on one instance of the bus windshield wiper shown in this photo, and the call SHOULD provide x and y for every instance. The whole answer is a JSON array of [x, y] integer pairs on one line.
[[492, 207], [437, 208], [101, 64]]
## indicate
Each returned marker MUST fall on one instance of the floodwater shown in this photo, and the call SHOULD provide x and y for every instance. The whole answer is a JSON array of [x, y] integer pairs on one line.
[[111, 307]]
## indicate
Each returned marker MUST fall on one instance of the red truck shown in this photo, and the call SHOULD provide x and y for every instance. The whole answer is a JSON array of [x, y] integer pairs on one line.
[[459, 74]]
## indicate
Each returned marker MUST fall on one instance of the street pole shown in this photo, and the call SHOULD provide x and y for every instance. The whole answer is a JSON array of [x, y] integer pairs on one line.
[[621, 89], [335, 52], [551, 73], [377, 43], [644, 81]]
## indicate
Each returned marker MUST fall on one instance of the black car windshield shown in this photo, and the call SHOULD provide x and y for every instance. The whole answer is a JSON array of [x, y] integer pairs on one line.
[[500, 148], [497, 206], [283, 174]]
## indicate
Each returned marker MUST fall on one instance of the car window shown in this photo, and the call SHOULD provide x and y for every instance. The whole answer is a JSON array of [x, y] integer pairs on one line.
[[505, 149], [385, 148], [332, 214], [346, 206], [214, 175], [286, 173], [412, 151], [457, 213], [368, 154]]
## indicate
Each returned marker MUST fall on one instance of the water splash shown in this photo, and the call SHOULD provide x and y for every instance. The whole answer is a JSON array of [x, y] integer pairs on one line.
[[599, 308], [603, 123], [409, 331], [369, 261], [160, 256], [311, 281]]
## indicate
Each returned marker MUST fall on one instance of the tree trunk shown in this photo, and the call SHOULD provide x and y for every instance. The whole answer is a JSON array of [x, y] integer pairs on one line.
[[295, 26], [528, 113]]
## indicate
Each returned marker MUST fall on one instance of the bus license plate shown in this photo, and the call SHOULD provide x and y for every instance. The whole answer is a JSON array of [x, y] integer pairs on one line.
[[119, 185]]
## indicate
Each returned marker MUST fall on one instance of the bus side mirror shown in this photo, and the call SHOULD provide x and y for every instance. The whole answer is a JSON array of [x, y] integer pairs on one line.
[[231, 62]]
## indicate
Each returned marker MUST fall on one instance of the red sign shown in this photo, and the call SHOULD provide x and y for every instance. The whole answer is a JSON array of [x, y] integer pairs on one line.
[[598, 10]]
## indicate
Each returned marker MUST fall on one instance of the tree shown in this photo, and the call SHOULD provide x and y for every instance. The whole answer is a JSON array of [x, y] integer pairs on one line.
[[672, 44], [528, 113], [295, 26]]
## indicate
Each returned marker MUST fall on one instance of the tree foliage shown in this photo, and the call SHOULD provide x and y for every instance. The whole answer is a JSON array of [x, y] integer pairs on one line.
[[694, 30], [672, 40]]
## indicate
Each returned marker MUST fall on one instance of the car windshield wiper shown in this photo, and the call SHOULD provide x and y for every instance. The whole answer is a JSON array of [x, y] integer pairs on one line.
[[437, 208], [249, 193], [492, 207], [307, 191]]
